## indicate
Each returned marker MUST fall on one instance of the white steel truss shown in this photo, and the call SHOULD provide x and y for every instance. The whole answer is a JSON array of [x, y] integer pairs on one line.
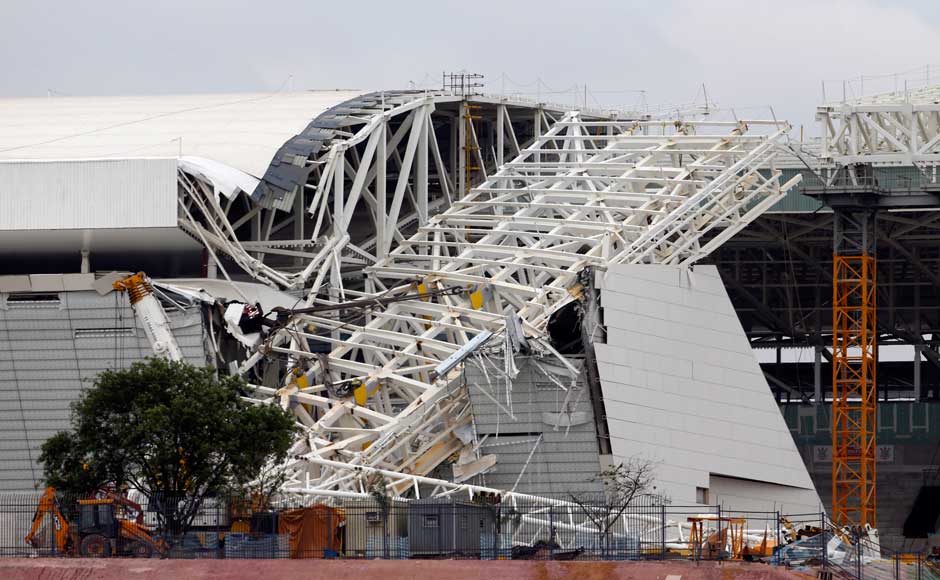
[[485, 273], [586, 194], [384, 172], [900, 128]]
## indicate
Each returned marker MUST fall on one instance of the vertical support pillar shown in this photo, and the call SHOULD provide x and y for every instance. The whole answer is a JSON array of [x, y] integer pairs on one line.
[[339, 195], [256, 231], [381, 212], [339, 200], [592, 332], [461, 147], [537, 132], [86, 262], [454, 141], [918, 395], [421, 168], [500, 134], [212, 268], [300, 212]]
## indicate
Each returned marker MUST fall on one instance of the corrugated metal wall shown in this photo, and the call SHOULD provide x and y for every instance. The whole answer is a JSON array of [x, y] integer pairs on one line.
[[565, 460], [118, 193], [51, 348]]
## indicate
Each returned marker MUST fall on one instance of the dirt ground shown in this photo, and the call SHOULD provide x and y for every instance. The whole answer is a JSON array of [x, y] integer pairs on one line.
[[128, 569]]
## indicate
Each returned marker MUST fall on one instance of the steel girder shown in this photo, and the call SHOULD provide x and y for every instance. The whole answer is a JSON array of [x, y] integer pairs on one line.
[[490, 268], [897, 128]]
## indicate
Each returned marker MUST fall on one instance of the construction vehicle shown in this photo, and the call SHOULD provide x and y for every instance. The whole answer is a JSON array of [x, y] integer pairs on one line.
[[101, 528]]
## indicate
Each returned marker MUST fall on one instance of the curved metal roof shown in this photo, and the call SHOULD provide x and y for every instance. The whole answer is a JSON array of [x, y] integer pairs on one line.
[[243, 130], [289, 167]]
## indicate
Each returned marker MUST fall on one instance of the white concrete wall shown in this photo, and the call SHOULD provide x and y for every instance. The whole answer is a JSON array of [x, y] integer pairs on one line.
[[682, 388], [745, 495]]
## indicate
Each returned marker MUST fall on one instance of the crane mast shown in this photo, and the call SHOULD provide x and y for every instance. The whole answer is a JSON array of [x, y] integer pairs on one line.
[[863, 140], [854, 364]]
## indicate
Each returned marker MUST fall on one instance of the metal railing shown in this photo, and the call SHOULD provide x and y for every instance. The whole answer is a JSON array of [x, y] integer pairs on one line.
[[485, 529]]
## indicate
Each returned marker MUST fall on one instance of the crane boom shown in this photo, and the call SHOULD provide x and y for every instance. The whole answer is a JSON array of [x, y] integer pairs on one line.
[[151, 315]]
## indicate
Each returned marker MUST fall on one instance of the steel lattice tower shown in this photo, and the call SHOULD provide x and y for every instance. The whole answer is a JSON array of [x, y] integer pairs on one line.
[[854, 360]]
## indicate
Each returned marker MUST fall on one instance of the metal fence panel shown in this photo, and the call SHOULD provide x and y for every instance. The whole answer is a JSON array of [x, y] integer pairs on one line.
[[485, 529]]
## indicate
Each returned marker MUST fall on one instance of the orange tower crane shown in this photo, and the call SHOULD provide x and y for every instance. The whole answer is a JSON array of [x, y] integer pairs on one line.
[[854, 362]]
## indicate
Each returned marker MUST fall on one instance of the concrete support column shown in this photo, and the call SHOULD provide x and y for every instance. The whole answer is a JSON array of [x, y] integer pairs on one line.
[[918, 393], [86, 262]]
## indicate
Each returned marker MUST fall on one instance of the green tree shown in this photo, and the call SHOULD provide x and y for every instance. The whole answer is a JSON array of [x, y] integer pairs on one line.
[[174, 431]]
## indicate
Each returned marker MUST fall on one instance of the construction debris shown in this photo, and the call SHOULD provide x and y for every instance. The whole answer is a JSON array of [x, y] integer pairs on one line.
[[373, 377]]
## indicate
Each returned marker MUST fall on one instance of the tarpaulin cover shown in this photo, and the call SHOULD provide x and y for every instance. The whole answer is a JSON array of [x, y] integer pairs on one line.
[[312, 530]]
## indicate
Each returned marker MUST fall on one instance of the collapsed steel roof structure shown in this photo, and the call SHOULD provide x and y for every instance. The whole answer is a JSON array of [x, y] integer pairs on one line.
[[471, 267]]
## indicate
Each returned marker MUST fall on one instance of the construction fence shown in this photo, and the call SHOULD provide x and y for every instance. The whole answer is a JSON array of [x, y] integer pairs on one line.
[[382, 528]]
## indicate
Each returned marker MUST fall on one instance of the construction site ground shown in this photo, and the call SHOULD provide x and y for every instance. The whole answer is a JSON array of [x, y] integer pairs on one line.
[[131, 569]]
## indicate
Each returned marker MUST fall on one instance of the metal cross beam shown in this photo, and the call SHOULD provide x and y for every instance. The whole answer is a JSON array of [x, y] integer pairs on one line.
[[583, 194], [897, 127]]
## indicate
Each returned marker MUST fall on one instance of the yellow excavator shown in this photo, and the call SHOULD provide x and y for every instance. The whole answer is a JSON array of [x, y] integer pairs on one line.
[[102, 528]]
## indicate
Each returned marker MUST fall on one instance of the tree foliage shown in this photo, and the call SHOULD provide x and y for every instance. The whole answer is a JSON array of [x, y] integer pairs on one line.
[[623, 484], [174, 431]]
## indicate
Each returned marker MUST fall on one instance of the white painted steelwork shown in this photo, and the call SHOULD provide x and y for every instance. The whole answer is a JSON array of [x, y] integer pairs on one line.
[[901, 128], [584, 194]]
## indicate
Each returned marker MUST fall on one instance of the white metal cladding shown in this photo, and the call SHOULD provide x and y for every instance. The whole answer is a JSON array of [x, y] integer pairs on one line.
[[88, 194], [240, 130], [534, 456], [682, 387], [49, 350]]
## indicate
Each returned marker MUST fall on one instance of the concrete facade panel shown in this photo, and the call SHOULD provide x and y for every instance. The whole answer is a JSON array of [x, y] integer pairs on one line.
[[682, 388]]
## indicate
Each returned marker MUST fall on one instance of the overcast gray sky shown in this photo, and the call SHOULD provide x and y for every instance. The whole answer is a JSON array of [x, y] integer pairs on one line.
[[748, 53]]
